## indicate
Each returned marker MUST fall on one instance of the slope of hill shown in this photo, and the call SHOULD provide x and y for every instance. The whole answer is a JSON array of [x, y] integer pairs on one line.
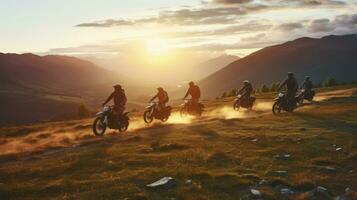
[[35, 88], [330, 56], [213, 65], [309, 154]]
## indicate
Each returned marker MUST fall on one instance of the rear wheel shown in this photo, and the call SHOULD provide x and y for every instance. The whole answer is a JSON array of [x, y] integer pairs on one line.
[[148, 118], [99, 126], [183, 112], [276, 108], [236, 105], [124, 128]]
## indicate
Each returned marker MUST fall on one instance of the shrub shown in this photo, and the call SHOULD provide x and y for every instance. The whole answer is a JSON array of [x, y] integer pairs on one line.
[[83, 112], [329, 82], [264, 88]]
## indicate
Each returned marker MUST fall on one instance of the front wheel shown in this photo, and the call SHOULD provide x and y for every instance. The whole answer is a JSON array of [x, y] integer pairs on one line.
[[236, 105], [99, 126], [183, 111], [276, 108], [148, 118]]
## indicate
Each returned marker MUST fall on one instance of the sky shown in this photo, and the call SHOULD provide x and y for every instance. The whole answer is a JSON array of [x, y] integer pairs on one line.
[[125, 35]]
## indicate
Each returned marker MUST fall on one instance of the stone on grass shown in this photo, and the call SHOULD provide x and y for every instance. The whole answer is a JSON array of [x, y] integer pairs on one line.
[[255, 192], [166, 182], [286, 191]]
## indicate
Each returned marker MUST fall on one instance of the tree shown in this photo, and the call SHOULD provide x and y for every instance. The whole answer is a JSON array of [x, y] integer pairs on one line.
[[224, 95], [264, 88], [329, 82], [233, 93], [274, 86], [83, 112]]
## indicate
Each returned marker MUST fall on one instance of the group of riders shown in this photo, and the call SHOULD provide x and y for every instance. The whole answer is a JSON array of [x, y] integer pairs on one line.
[[194, 107]]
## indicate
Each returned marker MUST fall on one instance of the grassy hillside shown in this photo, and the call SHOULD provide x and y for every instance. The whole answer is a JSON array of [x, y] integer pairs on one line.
[[221, 156]]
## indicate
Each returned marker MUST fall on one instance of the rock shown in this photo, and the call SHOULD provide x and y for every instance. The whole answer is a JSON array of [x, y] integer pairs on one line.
[[282, 157], [329, 169], [188, 182], [255, 192], [166, 182], [322, 193], [348, 191], [338, 149], [279, 173], [263, 182], [286, 191], [254, 140]]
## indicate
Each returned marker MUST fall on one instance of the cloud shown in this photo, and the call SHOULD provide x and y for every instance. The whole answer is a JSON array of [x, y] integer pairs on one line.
[[107, 23], [290, 26], [186, 16], [346, 22], [232, 1], [321, 25], [253, 38]]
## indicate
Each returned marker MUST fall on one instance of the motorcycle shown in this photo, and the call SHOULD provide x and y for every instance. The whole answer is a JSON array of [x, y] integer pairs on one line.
[[305, 95], [188, 108], [242, 102], [106, 119], [282, 104], [153, 112]]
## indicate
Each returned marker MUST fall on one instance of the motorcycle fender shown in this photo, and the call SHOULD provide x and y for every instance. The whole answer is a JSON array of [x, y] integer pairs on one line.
[[99, 114]]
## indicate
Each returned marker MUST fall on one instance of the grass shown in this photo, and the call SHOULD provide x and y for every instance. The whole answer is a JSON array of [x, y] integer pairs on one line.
[[223, 158]]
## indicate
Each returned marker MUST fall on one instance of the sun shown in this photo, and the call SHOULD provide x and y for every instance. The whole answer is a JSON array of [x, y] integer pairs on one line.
[[157, 46]]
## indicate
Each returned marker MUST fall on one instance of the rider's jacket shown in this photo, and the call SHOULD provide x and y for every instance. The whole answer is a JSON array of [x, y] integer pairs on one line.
[[291, 84], [162, 96], [119, 98], [246, 90], [194, 91], [307, 85]]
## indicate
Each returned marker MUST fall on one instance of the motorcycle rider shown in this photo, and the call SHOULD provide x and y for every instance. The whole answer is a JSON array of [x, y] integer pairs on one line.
[[162, 96], [307, 85], [119, 98], [292, 87], [246, 90], [194, 91]]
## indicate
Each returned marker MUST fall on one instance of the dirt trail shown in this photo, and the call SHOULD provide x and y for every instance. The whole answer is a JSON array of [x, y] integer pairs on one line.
[[48, 137]]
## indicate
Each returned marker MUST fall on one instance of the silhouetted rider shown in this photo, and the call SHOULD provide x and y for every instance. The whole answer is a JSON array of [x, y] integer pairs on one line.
[[194, 91], [307, 84], [246, 90], [119, 98], [162, 96], [291, 85]]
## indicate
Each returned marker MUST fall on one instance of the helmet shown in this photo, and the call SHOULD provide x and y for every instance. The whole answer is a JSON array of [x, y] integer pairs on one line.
[[160, 88], [290, 74], [307, 77], [117, 86], [191, 83], [246, 82]]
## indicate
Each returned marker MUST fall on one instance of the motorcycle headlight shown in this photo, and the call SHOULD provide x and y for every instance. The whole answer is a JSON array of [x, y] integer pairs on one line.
[[281, 95], [303, 90], [239, 96]]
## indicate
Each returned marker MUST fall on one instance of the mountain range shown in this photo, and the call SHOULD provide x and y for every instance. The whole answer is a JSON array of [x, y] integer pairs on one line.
[[330, 56]]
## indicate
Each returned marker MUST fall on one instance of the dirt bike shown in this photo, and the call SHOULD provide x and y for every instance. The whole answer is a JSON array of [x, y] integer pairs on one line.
[[282, 104], [106, 119], [188, 108], [153, 112], [240, 101], [305, 95]]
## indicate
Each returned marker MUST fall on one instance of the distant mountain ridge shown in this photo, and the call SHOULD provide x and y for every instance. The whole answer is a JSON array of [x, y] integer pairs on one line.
[[41, 88], [330, 56]]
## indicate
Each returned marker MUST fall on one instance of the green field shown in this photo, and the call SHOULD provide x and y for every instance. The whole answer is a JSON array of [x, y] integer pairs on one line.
[[223, 155]]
